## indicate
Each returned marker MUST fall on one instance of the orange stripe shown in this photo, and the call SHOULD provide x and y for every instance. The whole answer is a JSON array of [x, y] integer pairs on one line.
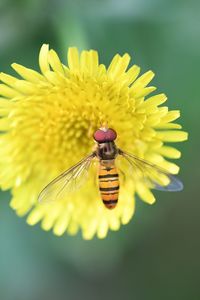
[[105, 172], [109, 197], [108, 184]]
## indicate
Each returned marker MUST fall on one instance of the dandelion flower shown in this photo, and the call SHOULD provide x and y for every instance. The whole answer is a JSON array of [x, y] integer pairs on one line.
[[47, 122]]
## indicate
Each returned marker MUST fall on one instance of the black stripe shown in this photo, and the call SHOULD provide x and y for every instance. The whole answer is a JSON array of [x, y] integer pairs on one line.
[[114, 188], [106, 194], [108, 175], [109, 201]]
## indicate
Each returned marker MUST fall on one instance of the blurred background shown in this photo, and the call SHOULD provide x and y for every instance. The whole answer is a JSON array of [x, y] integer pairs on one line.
[[157, 255]]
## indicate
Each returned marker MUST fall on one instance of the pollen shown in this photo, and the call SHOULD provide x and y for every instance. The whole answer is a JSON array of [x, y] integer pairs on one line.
[[47, 122]]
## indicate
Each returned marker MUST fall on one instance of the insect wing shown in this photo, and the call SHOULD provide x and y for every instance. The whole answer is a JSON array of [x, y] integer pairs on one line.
[[154, 176], [67, 182]]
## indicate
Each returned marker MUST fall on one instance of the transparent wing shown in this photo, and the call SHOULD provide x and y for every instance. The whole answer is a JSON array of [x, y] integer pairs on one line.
[[67, 182], [154, 176]]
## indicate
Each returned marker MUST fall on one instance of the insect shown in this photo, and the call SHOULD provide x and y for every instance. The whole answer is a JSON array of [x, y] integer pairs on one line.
[[106, 153]]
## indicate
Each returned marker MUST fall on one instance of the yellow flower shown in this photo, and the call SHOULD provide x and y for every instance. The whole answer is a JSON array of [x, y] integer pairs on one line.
[[47, 122]]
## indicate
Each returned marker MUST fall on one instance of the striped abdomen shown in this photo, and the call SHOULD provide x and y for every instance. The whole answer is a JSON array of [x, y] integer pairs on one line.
[[108, 183]]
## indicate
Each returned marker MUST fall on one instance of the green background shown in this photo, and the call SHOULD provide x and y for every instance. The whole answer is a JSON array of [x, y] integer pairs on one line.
[[157, 255]]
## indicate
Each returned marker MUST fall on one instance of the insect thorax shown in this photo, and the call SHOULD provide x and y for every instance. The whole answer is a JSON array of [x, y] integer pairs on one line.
[[106, 151]]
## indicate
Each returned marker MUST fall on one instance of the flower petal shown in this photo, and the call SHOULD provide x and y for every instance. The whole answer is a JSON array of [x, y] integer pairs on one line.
[[172, 136], [145, 194], [43, 59]]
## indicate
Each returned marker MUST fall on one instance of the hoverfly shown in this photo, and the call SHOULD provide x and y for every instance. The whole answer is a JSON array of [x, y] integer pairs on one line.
[[106, 153]]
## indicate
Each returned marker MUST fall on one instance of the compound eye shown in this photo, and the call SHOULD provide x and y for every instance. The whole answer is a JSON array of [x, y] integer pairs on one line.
[[111, 134], [99, 136]]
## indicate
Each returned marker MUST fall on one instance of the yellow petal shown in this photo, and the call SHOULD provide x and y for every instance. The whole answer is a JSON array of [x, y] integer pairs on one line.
[[118, 65], [73, 228], [170, 167], [172, 136], [43, 59], [8, 92], [90, 230], [142, 81], [145, 91], [171, 116], [73, 58], [52, 213], [168, 126], [89, 62], [102, 229], [7, 79], [55, 62], [154, 101], [145, 194], [35, 216], [132, 74], [128, 213], [28, 74], [169, 152], [114, 222], [62, 223]]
